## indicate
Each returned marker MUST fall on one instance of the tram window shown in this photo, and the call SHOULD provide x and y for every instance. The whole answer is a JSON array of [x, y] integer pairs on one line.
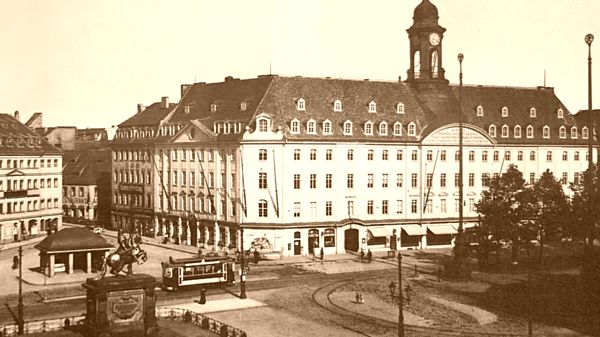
[[208, 269], [198, 270], [188, 271]]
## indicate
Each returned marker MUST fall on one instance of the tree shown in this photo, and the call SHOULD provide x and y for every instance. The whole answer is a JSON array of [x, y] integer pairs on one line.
[[507, 208], [551, 208]]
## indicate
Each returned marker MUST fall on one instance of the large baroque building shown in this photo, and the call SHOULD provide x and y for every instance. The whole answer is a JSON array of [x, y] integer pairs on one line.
[[30, 182], [311, 163]]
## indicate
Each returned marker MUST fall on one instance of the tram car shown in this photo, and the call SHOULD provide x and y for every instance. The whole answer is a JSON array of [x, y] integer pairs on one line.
[[201, 270]]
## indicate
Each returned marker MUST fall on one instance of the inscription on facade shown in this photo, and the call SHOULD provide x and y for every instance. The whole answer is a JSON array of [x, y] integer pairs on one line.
[[449, 136]]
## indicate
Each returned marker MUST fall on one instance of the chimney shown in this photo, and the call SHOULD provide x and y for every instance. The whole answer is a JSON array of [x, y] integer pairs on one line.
[[184, 89], [164, 103], [228, 78], [140, 107], [17, 117]]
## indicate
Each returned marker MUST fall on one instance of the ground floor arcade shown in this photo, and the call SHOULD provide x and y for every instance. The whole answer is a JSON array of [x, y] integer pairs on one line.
[[17, 229]]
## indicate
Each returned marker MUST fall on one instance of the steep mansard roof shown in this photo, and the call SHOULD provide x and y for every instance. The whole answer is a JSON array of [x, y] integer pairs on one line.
[[18, 139]]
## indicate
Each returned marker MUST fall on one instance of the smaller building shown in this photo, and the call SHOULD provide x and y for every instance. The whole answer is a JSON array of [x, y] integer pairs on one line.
[[71, 249]]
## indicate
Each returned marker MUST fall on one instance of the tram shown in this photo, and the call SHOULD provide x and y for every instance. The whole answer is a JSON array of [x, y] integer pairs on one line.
[[201, 270]]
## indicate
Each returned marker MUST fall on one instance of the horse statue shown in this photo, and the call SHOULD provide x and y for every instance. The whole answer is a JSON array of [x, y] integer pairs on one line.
[[128, 252]]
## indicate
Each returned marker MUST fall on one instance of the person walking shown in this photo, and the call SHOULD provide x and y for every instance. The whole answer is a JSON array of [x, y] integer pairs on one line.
[[322, 254], [361, 255], [369, 256]]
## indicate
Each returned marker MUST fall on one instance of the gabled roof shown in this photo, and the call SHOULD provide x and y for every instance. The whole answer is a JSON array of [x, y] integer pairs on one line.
[[84, 167], [18, 139], [73, 239]]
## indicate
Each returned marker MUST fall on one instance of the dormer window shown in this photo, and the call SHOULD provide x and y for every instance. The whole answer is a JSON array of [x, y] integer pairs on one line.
[[574, 132], [584, 132], [372, 107], [243, 106], [492, 130], [348, 128], [562, 132], [400, 108], [546, 132], [368, 128], [560, 113], [213, 107], [532, 112], [311, 127], [337, 106], [383, 129], [186, 109], [295, 126], [504, 131], [327, 127], [263, 125], [529, 131], [479, 111], [397, 129], [300, 105], [412, 129], [504, 111], [517, 131]]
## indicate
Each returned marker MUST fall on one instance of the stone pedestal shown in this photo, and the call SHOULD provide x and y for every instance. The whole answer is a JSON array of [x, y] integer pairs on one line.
[[121, 306]]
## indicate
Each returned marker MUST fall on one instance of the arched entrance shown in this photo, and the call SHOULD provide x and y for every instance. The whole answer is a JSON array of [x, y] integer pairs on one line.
[[351, 239]]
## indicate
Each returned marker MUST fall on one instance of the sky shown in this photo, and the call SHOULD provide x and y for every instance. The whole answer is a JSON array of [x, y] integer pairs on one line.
[[89, 63]]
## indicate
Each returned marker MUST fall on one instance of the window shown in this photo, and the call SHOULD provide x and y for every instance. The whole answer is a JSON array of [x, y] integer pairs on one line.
[[529, 131], [328, 180], [576, 156], [412, 129], [504, 111], [485, 179], [313, 154], [370, 180], [311, 127], [397, 129], [546, 132], [443, 180], [443, 155], [399, 179], [414, 180], [549, 156], [413, 206], [429, 180], [428, 206], [300, 105], [262, 180], [531, 178], [350, 208], [532, 155], [263, 125], [584, 132], [399, 206], [492, 130], [213, 107], [471, 156], [296, 154], [313, 181], [370, 155], [457, 155], [350, 180], [484, 156], [368, 128], [429, 155], [400, 108], [443, 206], [383, 129], [399, 155], [327, 127], [456, 180], [262, 209], [471, 179], [384, 155], [414, 155], [350, 155], [504, 131], [479, 111], [296, 181], [517, 131], [576, 178], [507, 155], [560, 113], [295, 127], [565, 156], [532, 112], [296, 209], [574, 132], [565, 178], [384, 180], [348, 128], [328, 212], [337, 106], [562, 132], [328, 154], [175, 178], [370, 207], [372, 107], [384, 207], [262, 154]]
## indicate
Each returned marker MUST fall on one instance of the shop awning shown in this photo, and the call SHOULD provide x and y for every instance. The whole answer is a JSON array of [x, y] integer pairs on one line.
[[379, 231], [412, 229], [442, 229]]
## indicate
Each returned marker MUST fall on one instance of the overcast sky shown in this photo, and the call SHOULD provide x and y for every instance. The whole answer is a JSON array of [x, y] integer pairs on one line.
[[88, 63]]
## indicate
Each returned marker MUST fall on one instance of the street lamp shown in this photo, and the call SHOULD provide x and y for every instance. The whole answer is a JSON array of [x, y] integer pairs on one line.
[[400, 302], [20, 304], [242, 266], [589, 38]]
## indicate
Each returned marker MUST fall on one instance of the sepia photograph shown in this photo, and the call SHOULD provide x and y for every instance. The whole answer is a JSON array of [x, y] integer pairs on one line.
[[289, 168]]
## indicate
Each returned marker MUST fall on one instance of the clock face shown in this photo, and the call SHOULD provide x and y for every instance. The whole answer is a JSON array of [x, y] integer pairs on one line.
[[434, 39]]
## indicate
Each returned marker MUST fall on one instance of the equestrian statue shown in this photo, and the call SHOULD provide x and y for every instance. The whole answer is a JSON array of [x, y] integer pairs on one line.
[[128, 252]]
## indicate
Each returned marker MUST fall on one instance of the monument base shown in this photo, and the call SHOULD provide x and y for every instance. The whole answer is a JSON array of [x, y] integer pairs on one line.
[[121, 306]]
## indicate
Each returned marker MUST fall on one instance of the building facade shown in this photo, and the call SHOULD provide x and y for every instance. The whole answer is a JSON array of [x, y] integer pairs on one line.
[[30, 182], [305, 164]]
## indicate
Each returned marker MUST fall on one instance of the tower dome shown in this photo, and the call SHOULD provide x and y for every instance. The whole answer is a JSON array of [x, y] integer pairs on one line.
[[425, 14]]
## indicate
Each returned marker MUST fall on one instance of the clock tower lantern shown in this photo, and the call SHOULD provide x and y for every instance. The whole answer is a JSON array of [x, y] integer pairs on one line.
[[425, 37]]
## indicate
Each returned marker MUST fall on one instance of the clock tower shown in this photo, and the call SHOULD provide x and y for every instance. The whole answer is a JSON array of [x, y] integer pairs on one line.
[[426, 37]]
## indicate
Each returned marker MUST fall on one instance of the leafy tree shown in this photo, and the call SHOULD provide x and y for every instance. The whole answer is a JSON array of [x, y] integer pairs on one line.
[[552, 208], [506, 207]]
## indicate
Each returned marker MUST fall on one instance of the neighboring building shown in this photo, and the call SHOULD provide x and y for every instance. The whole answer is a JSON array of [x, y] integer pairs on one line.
[[30, 182], [311, 163]]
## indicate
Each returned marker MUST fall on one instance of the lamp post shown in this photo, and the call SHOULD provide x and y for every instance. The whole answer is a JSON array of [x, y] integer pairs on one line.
[[242, 266], [589, 38], [20, 304], [400, 302]]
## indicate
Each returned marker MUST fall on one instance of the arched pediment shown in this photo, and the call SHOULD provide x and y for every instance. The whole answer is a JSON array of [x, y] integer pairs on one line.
[[448, 135]]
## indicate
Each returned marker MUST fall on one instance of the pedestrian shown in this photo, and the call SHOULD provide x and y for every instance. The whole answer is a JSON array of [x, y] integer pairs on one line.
[[256, 256], [15, 262], [369, 256], [322, 254], [362, 255]]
